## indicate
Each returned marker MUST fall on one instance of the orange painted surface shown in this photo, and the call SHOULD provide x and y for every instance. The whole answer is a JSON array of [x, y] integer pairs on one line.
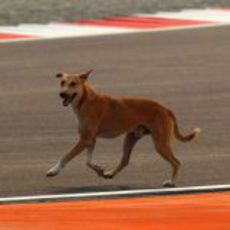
[[186, 212]]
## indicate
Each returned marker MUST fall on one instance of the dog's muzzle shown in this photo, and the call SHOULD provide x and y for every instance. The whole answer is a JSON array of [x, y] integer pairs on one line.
[[67, 99]]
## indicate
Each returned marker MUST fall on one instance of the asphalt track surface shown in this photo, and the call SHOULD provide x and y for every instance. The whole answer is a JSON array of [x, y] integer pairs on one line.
[[187, 70]]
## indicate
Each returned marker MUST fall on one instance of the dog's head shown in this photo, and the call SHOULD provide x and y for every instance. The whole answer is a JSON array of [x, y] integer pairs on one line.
[[72, 86]]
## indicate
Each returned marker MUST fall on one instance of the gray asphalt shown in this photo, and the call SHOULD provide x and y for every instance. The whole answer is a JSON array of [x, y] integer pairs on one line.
[[187, 70]]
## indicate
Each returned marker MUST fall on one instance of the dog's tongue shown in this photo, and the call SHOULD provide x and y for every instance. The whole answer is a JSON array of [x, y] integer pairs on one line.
[[65, 102]]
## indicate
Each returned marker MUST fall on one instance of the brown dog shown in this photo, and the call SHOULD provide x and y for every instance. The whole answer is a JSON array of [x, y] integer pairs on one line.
[[105, 116]]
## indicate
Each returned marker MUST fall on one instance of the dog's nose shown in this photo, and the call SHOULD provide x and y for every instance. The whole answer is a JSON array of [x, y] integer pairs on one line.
[[63, 95]]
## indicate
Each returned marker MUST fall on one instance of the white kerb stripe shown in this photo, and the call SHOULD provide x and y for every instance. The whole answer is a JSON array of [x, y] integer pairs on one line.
[[110, 194], [61, 30]]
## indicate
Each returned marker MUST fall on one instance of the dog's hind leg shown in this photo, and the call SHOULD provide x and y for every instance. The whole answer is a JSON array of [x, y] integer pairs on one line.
[[129, 142], [97, 168], [167, 153], [162, 138]]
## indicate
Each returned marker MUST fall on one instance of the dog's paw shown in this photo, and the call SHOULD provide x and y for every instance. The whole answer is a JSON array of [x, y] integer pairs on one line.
[[50, 173], [100, 171], [168, 184], [108, 175], [53, 171]]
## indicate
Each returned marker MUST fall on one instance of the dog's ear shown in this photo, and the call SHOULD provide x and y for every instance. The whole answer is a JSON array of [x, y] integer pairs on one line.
[[59, 75], [85, 75]]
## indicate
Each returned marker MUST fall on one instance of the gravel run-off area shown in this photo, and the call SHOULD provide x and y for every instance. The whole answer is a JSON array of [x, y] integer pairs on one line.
[[13, 12]]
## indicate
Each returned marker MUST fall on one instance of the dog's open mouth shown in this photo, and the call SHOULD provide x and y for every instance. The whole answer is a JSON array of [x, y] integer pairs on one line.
[[67, 99]]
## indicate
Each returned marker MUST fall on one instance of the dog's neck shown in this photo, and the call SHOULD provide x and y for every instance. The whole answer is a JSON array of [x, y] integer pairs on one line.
[[88, 94], [82, 98]]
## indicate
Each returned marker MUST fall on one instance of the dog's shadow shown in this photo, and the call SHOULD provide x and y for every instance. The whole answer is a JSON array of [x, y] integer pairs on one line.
[[94, 189]]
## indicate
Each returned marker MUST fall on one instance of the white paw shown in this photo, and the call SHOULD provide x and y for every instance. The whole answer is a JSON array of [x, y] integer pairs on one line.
[[108, 175], [54, 170], [168, 184]]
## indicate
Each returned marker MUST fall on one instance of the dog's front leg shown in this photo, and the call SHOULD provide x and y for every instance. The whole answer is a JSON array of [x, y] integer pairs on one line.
[[78, 148]]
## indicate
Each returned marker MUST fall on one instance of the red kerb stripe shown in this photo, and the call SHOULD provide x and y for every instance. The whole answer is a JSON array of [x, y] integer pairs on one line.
[[140, 22], [9, 36]]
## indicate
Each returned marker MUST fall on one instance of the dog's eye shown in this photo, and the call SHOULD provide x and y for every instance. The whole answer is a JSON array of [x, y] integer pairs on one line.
[[62, 83], [72, 84]]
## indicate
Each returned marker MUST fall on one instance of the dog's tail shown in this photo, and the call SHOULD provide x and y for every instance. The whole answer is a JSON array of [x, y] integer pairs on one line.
[[184, 138]]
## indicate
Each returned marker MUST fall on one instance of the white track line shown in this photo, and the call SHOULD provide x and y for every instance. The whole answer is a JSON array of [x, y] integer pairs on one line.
[[114, 194]]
